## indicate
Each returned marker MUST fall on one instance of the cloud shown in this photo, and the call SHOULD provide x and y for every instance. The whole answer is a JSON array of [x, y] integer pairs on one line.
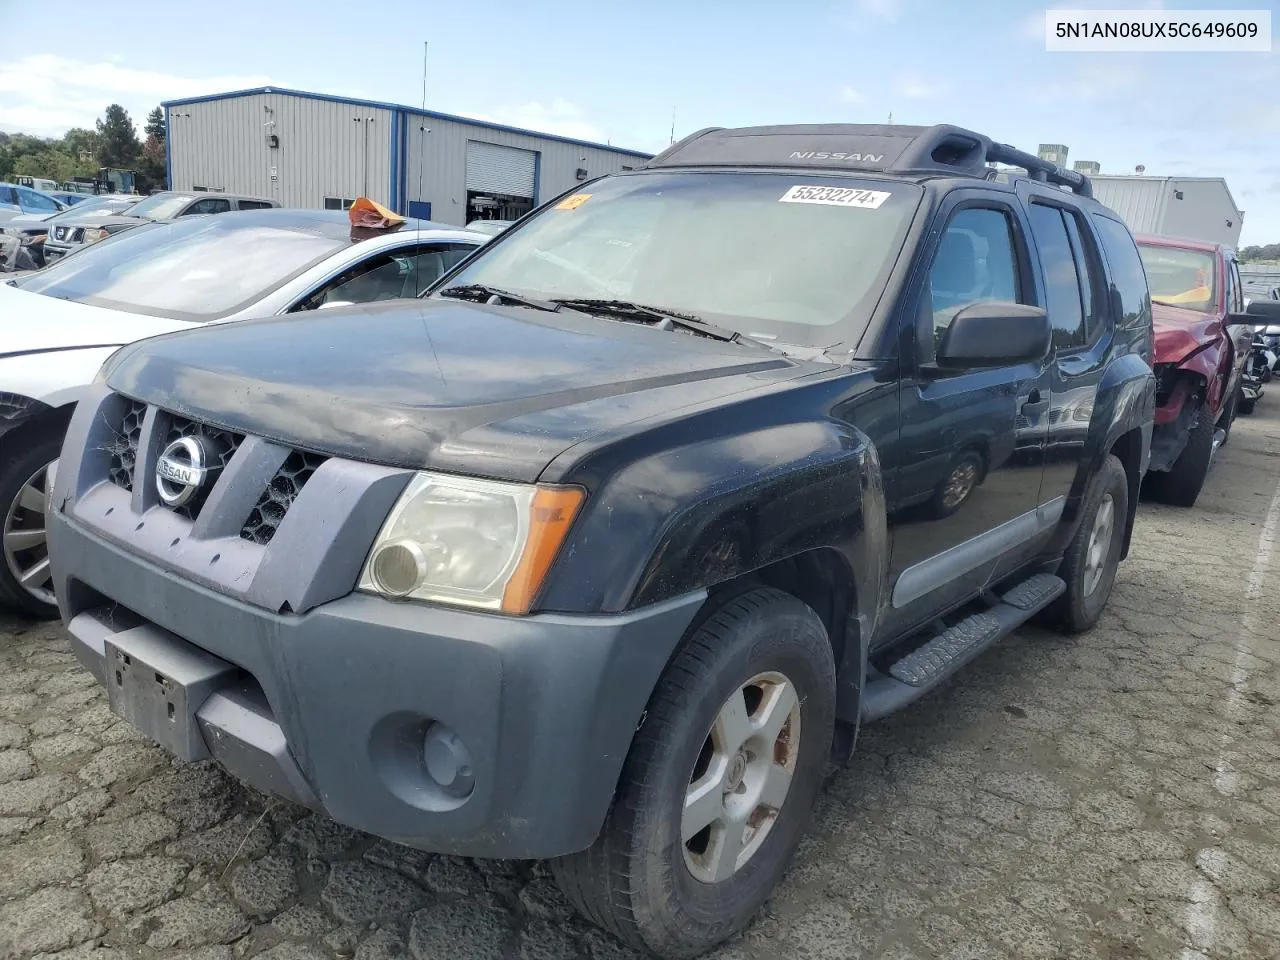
[[849, 95], [857, 15], [46, 94], [560, 116], [914, 86]]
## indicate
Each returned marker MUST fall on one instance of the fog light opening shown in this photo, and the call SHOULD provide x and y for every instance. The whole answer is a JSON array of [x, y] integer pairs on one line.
[[448, 761], [399, 568]]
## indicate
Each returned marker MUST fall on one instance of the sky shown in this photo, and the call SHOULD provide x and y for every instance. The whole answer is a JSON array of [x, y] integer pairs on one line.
[[621, 72]]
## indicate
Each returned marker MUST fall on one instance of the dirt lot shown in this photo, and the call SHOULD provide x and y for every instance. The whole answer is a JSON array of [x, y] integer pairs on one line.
[[1112, 796]]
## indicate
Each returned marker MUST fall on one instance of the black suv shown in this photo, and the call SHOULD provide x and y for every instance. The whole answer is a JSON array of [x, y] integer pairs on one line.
[[596, 553]]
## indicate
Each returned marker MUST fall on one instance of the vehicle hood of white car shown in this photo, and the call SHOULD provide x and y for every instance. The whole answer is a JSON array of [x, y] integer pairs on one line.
[[34, 323]]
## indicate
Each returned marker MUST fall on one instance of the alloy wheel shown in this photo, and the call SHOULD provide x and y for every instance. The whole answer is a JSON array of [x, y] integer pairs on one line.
[[26, 552], [1099, 549], [741, 778]]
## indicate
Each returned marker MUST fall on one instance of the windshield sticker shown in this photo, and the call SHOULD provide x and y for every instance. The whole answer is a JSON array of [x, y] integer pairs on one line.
[[574, 202], [835, 196]]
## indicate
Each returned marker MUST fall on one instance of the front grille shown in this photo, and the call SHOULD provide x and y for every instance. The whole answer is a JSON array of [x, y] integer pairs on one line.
[[279, 495], [219, 447], [123, 447]]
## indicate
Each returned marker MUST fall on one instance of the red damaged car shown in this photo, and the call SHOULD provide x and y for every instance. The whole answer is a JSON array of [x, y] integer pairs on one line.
[[1202, 343]]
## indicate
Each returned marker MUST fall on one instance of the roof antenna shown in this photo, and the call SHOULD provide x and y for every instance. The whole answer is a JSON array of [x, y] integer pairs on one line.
[[423, 131]]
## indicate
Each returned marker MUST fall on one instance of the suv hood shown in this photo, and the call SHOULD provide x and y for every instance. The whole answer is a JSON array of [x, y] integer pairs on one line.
[[34, 323], [1180, 332], [437, 384]]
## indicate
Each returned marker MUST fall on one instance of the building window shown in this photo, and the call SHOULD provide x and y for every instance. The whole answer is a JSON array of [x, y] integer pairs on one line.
[[338, 203], [200, 189]]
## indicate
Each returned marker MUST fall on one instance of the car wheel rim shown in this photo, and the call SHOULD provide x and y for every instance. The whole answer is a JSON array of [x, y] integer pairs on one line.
[[26, 553], [1095, 563], [742, 777], [959, 484]]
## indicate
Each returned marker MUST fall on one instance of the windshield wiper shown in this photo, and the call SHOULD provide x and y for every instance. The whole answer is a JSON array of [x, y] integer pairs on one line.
[[483, 293], [659, 317]]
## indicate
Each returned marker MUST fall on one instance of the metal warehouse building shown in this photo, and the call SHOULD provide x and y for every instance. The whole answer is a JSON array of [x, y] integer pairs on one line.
[[313, 150], [1198, 207]]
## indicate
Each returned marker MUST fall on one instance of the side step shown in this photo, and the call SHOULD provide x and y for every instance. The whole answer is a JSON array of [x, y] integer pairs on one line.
[[924, 668]]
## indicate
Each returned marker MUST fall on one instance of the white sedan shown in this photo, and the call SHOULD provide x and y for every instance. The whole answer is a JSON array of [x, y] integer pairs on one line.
[[58, 325]]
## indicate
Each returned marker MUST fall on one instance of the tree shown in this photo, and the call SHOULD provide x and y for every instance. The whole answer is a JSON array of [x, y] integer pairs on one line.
[[118, 144], [155, 125]]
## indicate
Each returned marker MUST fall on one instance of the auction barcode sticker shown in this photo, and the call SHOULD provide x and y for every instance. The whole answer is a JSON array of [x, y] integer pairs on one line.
[[835, 196]]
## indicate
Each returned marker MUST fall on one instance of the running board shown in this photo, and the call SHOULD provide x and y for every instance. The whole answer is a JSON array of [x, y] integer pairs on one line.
[[927, 666]]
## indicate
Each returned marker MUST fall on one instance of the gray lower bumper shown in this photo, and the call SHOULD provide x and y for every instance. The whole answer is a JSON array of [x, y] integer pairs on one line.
[[331, 708]]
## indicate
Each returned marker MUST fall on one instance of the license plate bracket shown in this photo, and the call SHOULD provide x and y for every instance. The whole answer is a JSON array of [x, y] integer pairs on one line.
[[157, 681]]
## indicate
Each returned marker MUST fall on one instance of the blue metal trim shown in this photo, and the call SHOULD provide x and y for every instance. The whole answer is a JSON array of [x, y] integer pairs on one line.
[[381, 105], [392, 199], [168, 153], [537, 177]]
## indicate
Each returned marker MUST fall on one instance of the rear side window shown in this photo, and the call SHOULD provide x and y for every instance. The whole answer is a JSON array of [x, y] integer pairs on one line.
[[1062, 281], [1128, 277], [252, 204], [211, 205]]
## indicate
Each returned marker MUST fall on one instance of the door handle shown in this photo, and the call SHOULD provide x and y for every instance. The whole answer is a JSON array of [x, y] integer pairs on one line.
[[1034, 403]]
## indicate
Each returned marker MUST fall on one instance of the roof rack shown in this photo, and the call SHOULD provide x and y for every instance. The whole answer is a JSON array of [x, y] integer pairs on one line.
[[941, 149]]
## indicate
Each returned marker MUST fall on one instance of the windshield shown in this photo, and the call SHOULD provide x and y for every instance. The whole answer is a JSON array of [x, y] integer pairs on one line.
[[160, 207], [798, 259], [1180, 277], [93, 205], [198, 269]]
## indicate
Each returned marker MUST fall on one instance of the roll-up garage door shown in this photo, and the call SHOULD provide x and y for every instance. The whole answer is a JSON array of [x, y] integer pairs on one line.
[[495, 169]]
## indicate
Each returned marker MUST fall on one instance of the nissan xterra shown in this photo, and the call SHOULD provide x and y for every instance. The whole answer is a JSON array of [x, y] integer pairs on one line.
[[600, 550]]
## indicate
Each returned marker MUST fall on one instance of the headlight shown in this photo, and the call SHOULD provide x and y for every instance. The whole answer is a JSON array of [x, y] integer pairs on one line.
[[477, 543], [94, 234]]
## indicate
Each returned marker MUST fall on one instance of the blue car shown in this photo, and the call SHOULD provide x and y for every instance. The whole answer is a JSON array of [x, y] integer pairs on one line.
[[16, 200]]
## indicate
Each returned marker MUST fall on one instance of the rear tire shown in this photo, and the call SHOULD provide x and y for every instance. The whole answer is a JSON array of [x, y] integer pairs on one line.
[[23, 552], [1180, 486], [1089, 566], [654, 878]]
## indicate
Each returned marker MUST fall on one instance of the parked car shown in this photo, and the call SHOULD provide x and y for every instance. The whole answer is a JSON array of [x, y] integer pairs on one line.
[[16, 200], [33, 229], [70, 198], [1199, 363], [42, 184], [59, 325], [584, 555], [165, 205]]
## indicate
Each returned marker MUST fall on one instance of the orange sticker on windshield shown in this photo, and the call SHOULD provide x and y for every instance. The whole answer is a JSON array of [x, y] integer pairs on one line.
[[574, 202]]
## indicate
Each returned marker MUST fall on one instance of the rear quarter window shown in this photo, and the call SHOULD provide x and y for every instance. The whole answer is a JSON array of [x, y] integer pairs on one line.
[[1128, 277]]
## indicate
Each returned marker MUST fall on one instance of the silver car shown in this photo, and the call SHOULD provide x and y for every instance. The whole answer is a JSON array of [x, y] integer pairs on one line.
[[58, 325]]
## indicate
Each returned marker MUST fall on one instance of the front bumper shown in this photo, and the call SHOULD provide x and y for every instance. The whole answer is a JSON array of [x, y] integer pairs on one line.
[[331, 709], [243, 639]]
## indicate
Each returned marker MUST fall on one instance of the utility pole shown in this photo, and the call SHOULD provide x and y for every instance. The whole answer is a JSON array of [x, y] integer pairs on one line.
[[673, 125]]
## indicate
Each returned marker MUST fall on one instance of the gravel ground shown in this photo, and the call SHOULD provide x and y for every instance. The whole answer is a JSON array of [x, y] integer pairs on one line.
[[1115, 795]]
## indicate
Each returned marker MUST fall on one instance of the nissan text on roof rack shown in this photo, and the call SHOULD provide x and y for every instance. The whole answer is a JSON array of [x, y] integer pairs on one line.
[[60, 324], [597, 552]]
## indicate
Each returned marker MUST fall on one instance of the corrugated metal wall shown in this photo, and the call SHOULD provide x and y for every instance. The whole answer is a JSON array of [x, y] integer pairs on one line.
[[435, 168], [1139, 201], [326, 149], [1151, 205]]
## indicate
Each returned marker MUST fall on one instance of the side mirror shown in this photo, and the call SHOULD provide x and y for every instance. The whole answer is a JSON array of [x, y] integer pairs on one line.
[[1257, 314], [995, 333]]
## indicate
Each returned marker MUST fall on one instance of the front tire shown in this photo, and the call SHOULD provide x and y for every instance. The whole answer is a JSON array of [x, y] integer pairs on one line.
[[719, 783], [1093, 557], [26, 584], [1180, 486]]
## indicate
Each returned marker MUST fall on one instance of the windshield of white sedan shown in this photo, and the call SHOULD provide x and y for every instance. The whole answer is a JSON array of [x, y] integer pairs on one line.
[[201, 268], [796, 258]]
